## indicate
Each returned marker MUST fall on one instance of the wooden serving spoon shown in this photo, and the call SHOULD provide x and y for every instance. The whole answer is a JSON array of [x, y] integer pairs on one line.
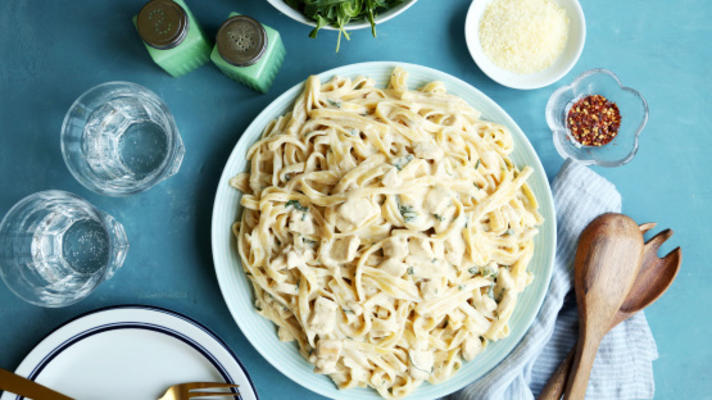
[[606, 264], [654, 277]]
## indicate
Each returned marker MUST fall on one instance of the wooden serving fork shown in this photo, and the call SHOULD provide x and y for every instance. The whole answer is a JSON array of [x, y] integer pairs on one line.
[[654, 277]]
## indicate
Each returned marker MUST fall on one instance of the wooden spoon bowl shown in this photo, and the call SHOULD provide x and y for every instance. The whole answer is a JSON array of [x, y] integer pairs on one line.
[[654, 277], [606, 264]]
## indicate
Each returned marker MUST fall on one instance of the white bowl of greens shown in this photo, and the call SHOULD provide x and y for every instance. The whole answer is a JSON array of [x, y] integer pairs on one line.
[[343, 15]]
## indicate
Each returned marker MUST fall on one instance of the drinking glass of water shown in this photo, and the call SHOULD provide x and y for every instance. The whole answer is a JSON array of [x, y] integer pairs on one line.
[[55, 248], [119, 138]]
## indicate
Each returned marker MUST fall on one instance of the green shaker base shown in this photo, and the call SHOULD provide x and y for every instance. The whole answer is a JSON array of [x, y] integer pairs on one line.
[[192, 59], [260, 81], [192, 53], [258, 76]]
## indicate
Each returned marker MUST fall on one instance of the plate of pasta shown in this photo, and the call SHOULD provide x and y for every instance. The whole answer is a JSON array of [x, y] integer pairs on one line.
[[383, 230]]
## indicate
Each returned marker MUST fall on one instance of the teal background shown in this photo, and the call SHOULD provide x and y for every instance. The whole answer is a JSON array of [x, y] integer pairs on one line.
[[51, 51]]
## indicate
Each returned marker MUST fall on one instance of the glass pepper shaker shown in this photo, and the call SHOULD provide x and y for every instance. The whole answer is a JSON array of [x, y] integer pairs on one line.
[[248, 52], [172, 36]]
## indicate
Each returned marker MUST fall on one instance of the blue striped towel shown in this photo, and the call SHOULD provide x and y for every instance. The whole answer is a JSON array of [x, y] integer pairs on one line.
[[623, 367]]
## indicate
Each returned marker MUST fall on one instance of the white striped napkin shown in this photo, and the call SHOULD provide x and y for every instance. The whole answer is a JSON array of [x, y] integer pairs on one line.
[[623, 367]]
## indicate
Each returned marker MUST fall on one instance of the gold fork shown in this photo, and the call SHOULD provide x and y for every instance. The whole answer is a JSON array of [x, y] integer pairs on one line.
[[20, 385], [191, 390]]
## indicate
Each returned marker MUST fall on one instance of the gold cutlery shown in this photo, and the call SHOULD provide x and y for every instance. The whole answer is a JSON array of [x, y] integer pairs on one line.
[[185, 391], [22, 386], [17, 384]]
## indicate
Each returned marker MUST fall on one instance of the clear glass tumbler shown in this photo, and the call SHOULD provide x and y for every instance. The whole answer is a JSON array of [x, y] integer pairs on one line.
[[119, 138], [55, 248]]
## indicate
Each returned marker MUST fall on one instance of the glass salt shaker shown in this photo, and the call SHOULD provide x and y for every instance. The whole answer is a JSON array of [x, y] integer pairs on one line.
[[248, 52], [172, 36]]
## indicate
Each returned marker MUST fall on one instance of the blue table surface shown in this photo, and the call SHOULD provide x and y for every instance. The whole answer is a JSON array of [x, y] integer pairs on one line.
[[51, 51]]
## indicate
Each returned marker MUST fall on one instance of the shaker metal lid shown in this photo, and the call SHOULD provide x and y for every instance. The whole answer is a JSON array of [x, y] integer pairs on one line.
[[241, 40], [162, 24]]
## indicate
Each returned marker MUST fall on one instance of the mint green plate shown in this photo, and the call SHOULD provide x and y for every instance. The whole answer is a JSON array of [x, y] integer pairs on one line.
[[261, 332]]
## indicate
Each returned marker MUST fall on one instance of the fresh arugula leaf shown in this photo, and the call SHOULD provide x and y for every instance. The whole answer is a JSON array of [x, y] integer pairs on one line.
[[338, 13]]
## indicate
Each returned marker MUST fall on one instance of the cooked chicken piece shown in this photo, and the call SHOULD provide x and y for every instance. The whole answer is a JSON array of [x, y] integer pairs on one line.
[[323, 317]]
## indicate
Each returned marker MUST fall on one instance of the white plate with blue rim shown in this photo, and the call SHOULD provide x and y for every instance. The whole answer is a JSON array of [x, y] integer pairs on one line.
[[261, 332], [131, 352]]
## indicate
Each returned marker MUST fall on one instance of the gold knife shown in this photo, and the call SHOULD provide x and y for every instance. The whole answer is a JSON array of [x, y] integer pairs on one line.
[[24, 387]]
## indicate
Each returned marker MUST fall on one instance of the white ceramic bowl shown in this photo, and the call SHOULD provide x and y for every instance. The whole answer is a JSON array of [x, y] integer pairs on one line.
[[380, 18], [560, 67]]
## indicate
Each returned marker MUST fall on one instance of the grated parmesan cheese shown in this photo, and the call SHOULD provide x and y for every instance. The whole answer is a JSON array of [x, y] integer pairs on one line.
[[523, 36]]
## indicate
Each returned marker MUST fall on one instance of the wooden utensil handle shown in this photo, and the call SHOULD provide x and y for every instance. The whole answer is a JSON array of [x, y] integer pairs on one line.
[[577, 383], [557, 382]]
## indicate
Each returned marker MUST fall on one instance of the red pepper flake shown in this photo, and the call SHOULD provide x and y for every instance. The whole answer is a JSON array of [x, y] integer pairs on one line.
[[594, 120]]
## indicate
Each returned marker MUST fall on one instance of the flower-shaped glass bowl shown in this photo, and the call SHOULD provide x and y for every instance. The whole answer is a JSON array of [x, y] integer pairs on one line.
[[634, 115]]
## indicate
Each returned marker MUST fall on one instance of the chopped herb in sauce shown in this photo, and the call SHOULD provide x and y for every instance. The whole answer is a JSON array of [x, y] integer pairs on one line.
[[309, 242], [490, 273], [410, 271], [486, 272], [438, 217], [347, 310], [477, 164], [408, 213], [296, 204], [401, 162], [334, 103]]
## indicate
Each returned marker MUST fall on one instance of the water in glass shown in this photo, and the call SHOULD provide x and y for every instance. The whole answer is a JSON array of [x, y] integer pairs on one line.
[[55, 248], [119, 138]]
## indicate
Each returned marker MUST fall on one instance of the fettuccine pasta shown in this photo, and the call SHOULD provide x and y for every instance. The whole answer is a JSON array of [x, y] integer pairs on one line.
[[386, 231]]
